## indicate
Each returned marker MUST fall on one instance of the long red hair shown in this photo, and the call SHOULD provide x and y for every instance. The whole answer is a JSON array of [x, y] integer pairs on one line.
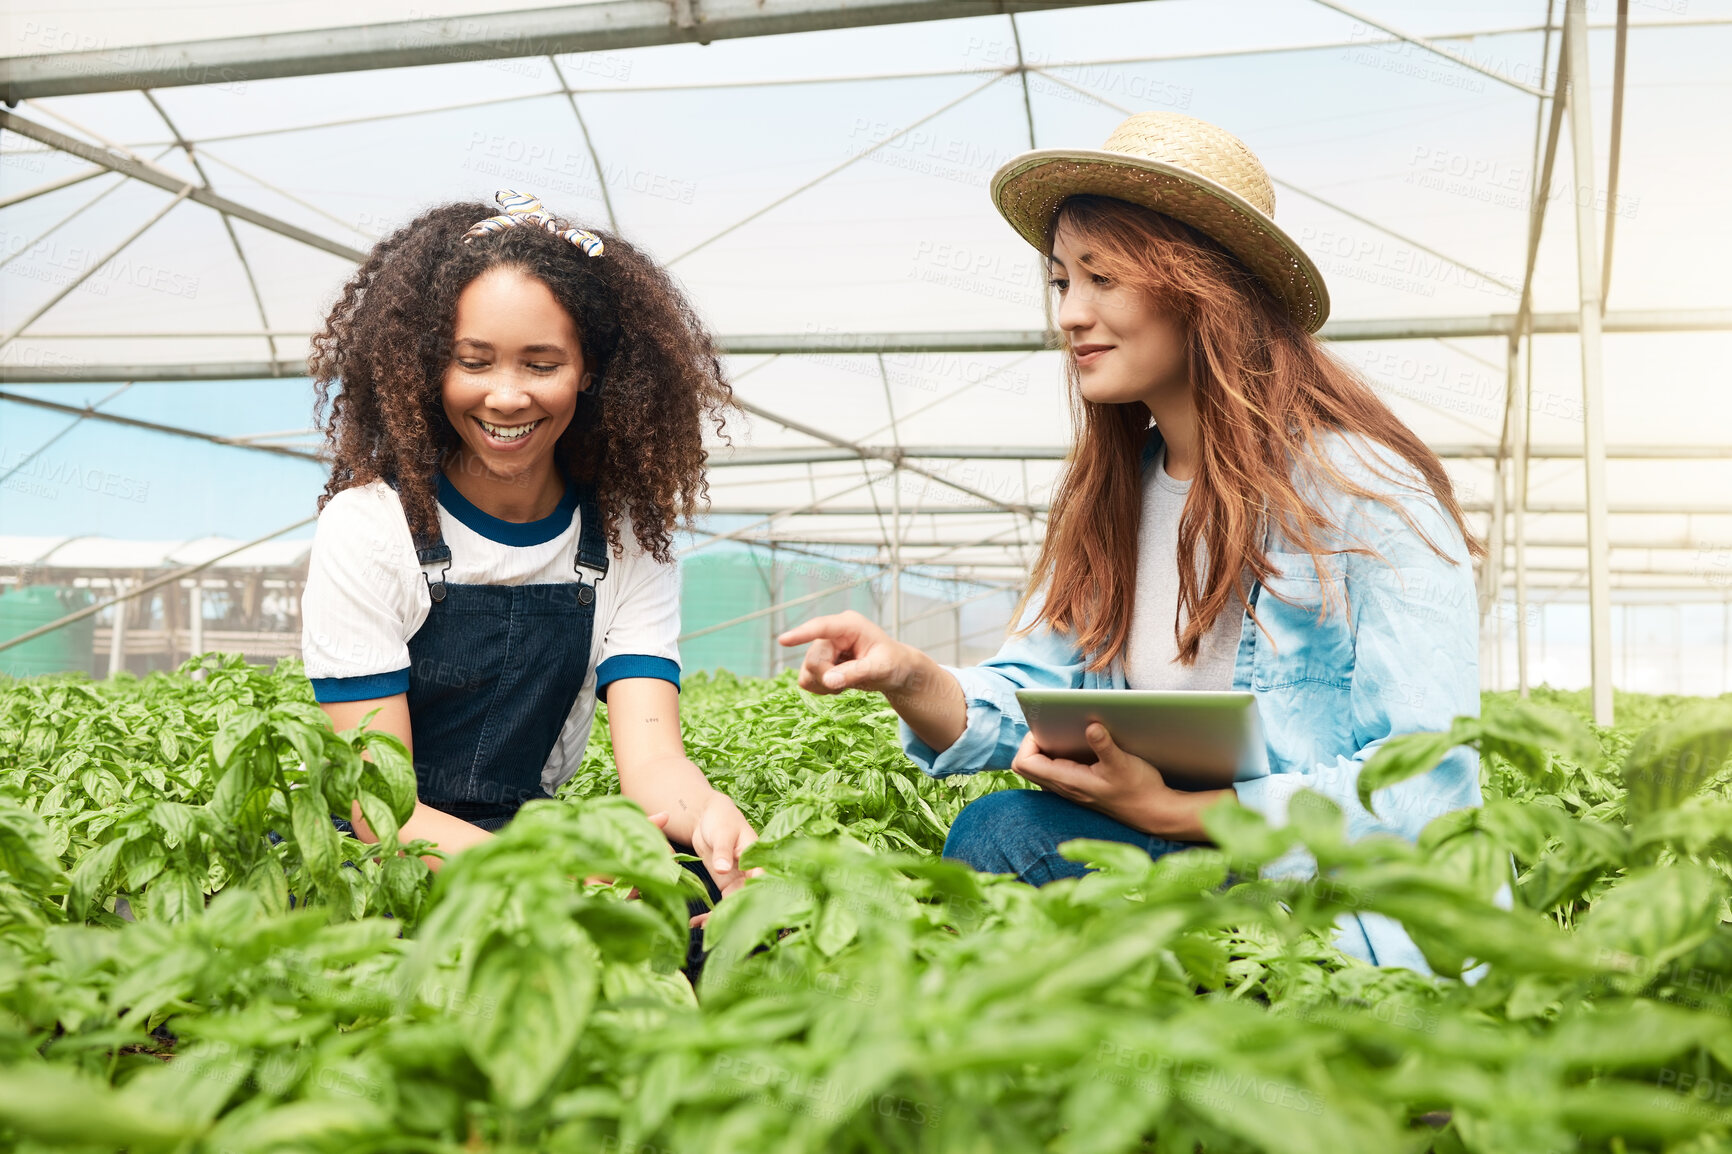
[[1266, 392]]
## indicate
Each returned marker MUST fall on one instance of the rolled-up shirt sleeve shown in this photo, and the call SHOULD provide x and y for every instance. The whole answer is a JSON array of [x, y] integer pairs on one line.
[[642, 637], [359, 607], [1037, 659]]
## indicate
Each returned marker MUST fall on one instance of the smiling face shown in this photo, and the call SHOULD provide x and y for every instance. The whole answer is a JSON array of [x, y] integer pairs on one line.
[[511, 386], [1127, 347]]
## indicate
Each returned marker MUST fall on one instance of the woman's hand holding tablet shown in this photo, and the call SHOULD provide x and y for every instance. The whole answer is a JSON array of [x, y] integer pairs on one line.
[[1121, 785]]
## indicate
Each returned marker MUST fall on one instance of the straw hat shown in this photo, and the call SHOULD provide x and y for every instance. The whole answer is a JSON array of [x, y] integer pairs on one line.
[[1183, 167]]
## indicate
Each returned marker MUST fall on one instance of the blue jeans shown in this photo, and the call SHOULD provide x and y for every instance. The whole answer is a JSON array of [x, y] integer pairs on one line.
[[1018, 831]]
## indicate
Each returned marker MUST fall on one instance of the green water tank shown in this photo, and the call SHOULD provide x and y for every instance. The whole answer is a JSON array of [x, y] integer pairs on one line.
[[23, 608]]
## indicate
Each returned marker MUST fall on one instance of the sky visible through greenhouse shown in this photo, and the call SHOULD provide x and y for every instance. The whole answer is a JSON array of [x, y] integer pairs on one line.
[[1406, 177]]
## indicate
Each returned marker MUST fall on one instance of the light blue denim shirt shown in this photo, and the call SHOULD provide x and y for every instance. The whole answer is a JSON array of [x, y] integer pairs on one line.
[[1331, 686]]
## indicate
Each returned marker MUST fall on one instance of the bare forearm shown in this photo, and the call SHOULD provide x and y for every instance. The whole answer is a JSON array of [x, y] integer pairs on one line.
[[391, 715], [450, 834], [670, 783], [932, 702]]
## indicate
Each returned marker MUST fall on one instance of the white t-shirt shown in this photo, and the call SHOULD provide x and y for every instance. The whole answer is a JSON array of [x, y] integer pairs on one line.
[[1151, 651], [366, 596]]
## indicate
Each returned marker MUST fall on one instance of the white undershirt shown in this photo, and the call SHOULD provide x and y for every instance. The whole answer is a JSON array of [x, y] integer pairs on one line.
[[366, 596], [1151, 655]]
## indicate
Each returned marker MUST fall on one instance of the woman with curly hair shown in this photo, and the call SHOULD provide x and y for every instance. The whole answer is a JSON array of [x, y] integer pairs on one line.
[[515, 418]]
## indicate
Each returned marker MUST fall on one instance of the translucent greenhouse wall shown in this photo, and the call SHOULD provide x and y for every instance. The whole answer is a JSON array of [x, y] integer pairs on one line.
[[954, 623]]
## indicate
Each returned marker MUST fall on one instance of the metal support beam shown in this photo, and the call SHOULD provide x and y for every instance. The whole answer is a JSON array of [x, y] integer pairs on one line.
[[588, 142], [1491, 566], [607, 26], [1625, 509], [868, 344], [1519, 468], [1548, 324], [1448, 450], [898, 529], [878, 344], [89, 410], [1126, 110], [94, 170], [779, 606], [1429, 46], [829, 172], [192, 157], [71, 286], [31, 245], [1593, 383], [117, 631], [1521, 346], [893, 456], [126, 595], [813, 506], [758, 509], [169, 182], [152, 426], [1617, 144], [195, 616], [1555, 508], [1573, 543], [1379, 329], [1022, 74]]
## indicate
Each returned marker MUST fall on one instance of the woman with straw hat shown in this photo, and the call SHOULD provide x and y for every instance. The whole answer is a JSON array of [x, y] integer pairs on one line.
[[1239, 511]]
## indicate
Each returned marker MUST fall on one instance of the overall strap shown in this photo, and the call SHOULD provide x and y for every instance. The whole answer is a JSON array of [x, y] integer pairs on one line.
[[431, 555], [591, 544]]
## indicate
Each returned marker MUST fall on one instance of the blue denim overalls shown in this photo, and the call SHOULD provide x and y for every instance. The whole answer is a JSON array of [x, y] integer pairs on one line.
[[493, 674]]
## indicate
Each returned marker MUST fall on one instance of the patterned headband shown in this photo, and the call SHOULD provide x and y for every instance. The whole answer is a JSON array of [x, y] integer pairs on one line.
[[521, 208]]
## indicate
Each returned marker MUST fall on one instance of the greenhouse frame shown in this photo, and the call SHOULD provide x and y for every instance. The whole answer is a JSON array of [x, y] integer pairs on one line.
[[814, 171]]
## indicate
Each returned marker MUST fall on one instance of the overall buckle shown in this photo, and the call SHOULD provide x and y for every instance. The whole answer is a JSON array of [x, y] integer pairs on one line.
[[435, 556], [586, 589]]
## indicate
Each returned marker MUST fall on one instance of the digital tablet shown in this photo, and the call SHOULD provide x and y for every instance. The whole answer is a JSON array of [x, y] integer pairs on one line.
[[1198, 739]]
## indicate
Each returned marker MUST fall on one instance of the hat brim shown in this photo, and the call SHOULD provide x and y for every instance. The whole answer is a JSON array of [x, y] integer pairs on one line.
[[1029, 189]]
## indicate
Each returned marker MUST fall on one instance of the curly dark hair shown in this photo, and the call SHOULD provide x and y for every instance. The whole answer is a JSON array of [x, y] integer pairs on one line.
[[638, 433]]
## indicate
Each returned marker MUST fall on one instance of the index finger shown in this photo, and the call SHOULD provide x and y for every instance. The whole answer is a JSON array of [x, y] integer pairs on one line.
[[830, 626]]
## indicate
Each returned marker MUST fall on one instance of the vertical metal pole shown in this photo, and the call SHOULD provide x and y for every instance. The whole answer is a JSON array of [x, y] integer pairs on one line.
[[957, 638], [171, 626], [896, 499], [775, 617], [1593, 383], [896, 553], [195, 615], [1617, 140], [117, 635], [1518, 508], [195, 619], [1491, 573]]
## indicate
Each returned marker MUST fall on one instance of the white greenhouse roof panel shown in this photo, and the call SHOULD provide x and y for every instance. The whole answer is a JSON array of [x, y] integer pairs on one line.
[[823, 198], [324, 37]]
